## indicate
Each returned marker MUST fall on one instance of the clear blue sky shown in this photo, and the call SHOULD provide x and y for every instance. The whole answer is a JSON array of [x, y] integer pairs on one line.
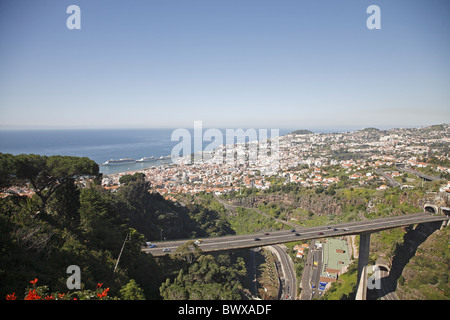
[[230, 63]]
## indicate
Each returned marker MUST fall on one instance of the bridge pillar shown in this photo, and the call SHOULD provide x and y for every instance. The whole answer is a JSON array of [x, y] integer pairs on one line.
[[446, 211], [363, 261]]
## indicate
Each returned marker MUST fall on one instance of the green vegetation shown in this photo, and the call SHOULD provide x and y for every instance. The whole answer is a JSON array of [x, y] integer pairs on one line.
[[203, 277], [301, 131], [72, 220], [267, 275], [238, 221], [249, 221], [431, 262], [65, 223], [345, 287], [315, 206]]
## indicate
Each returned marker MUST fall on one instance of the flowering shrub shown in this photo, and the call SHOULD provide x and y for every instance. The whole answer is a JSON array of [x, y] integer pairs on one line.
[[41, 293], [11, 296]]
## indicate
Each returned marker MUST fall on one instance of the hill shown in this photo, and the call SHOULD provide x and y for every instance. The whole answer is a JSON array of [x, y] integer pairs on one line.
[[301, 131]]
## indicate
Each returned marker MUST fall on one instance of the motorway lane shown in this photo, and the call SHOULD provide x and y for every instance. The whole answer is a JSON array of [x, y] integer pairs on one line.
[[290, 279], [389, 178], [418, 173], [307, 274], [262, 239], [316, 271]]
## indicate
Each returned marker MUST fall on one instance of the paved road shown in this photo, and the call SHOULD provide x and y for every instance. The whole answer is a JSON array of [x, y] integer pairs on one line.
[[389, 178], [417, 173], [289, 290], [316, 271], [264, 239], [307, 273]]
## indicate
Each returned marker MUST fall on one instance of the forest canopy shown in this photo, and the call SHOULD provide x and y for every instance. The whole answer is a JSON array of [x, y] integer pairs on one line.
[[70, 219]]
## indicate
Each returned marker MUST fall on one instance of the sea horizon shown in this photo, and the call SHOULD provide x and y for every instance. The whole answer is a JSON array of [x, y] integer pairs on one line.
[[99, 145]]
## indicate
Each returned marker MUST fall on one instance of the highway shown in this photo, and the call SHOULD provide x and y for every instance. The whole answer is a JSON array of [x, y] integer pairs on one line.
[[389, 178], [417, 173], [306, 293], [300, 234], [289, 288], [316, 267]]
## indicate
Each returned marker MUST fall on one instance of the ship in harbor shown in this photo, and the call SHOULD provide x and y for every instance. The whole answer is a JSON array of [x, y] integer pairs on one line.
[[113, 162], [152, 158], [146, 159]]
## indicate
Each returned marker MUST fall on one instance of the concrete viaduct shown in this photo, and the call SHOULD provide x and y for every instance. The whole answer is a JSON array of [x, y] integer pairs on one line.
[[362, 228]]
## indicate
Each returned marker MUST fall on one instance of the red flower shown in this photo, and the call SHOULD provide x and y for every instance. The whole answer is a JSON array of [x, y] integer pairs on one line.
[[11, 296], [103, 294], [99, 285], [32, 295], [34, 281], [50, 297]]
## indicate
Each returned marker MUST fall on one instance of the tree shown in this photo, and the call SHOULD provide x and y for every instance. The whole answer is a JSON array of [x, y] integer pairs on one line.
[[100, 225], [47, 174], [7, 171], [127, 178], [132, 291], [188, 252], [65, 204]]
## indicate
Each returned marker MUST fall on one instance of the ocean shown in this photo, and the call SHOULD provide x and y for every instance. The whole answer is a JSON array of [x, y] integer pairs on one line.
[[99, 145]]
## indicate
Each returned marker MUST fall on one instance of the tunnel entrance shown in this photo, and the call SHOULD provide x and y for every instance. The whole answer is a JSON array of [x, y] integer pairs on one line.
[[383, 268], [431, 208], [445, 210]]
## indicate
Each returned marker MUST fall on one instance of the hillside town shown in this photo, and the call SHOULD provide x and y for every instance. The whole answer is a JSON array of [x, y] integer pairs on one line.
[[370, 157], [381, 159]]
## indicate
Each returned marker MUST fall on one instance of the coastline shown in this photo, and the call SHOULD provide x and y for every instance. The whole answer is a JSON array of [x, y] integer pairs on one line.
[[108, 170]]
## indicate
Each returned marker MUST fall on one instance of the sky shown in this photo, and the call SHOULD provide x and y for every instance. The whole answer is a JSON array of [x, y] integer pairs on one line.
[[228, 63]]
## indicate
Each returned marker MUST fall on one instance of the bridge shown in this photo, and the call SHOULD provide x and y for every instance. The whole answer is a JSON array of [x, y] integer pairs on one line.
[[362, 228], [300, 234]]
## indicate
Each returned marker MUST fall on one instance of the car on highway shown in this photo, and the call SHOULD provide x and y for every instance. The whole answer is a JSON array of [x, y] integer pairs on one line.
[[298, 234], [266, 234], [335, 229], [320, 233], [150, 245], [257, 239], [166, 250], [198, 241], [293, 230]]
